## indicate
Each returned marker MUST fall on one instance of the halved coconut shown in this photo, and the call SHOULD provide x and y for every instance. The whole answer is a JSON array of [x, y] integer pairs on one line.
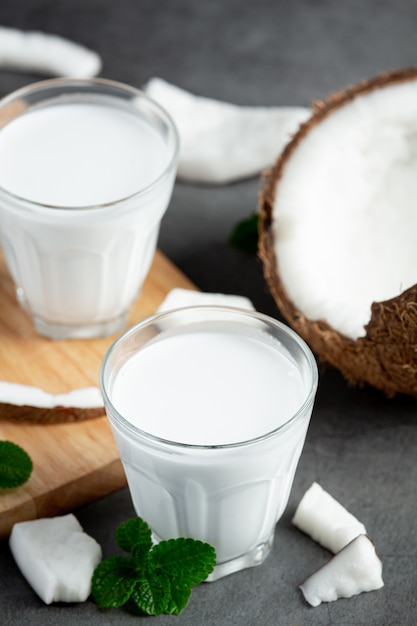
[[338, 232]]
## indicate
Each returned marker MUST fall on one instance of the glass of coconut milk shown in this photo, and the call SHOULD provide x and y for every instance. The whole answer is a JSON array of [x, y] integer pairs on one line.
[[210, 408], [87, 169]]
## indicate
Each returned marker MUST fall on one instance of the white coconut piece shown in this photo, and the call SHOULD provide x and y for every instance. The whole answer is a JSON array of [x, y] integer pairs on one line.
[[27, 395], [179, 298], [325, 520], [353, 570], [26, 403], [223, 142], [344, 212], [43, 53], [56, 557]]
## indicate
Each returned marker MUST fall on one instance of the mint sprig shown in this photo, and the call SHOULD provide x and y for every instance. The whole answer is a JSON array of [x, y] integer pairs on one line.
[[159, 578], [15, 465]]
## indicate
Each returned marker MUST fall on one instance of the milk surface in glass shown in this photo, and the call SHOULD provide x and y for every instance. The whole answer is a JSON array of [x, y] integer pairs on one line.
[[79, 154], [208, 439], [208, 388], [86, 173]]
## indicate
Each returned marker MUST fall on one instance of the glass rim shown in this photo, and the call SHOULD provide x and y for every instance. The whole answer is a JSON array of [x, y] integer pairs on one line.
[[105, 83], [244, 313]]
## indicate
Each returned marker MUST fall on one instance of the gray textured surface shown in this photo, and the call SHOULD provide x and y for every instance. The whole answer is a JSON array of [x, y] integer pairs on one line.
[[361, 447]]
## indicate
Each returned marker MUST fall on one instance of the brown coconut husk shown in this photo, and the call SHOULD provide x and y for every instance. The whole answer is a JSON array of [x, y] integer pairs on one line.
[[386, 357], [41, 415]]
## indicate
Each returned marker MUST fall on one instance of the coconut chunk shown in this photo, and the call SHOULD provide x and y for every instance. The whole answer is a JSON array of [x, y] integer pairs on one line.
[[222, 142], [29, 403], [56, 557], [47, 54], [326, 520], [178, 298], [356, 568]]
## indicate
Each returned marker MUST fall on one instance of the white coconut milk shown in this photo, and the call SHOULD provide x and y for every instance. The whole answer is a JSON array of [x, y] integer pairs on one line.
[[212, 388], [77, 270], [222, 389], [79, 154]]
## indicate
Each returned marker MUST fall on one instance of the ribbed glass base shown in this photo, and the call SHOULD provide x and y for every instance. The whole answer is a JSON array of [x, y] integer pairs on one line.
[[90, 331]]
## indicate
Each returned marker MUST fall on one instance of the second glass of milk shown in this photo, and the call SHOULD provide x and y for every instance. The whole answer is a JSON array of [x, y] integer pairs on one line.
[[210, 408], [87, 169]]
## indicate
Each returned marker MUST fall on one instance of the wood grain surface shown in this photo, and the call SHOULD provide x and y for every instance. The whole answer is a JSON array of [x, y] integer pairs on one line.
[[74, 463]]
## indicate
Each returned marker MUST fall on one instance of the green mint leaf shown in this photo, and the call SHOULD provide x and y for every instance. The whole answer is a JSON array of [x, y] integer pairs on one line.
[[132, 533], [156, 579], [244, 236], [140, 552], [180, 596], [152, 594], [15, 465], [186, 561], [113, 581]]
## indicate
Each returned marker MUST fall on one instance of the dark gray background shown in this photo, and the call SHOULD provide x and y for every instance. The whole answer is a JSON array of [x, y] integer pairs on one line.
[[361, 447]]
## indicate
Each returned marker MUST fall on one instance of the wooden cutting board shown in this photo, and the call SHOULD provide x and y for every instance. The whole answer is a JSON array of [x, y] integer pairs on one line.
[[74, 463]]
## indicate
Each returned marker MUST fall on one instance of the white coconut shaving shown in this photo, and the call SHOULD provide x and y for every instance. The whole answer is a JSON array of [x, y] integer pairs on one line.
[[56, 557], [48, 54], [223, 142], [178, 298], [27, 395], [344, 213]]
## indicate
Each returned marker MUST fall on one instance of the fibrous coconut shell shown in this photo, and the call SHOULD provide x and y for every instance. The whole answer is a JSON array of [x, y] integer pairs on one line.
[[42, 415], [29, 404], [386, 357]]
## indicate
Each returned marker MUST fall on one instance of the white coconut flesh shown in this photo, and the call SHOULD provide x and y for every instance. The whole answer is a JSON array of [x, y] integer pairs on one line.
[[345, 216], [179, 298], [28, 395], [353, 570], [27, 403], [325, 520], [56, 557]]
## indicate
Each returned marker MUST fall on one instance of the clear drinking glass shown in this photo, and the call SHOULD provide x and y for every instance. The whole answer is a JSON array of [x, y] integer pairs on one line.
[[204, 456], [79, 264]]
